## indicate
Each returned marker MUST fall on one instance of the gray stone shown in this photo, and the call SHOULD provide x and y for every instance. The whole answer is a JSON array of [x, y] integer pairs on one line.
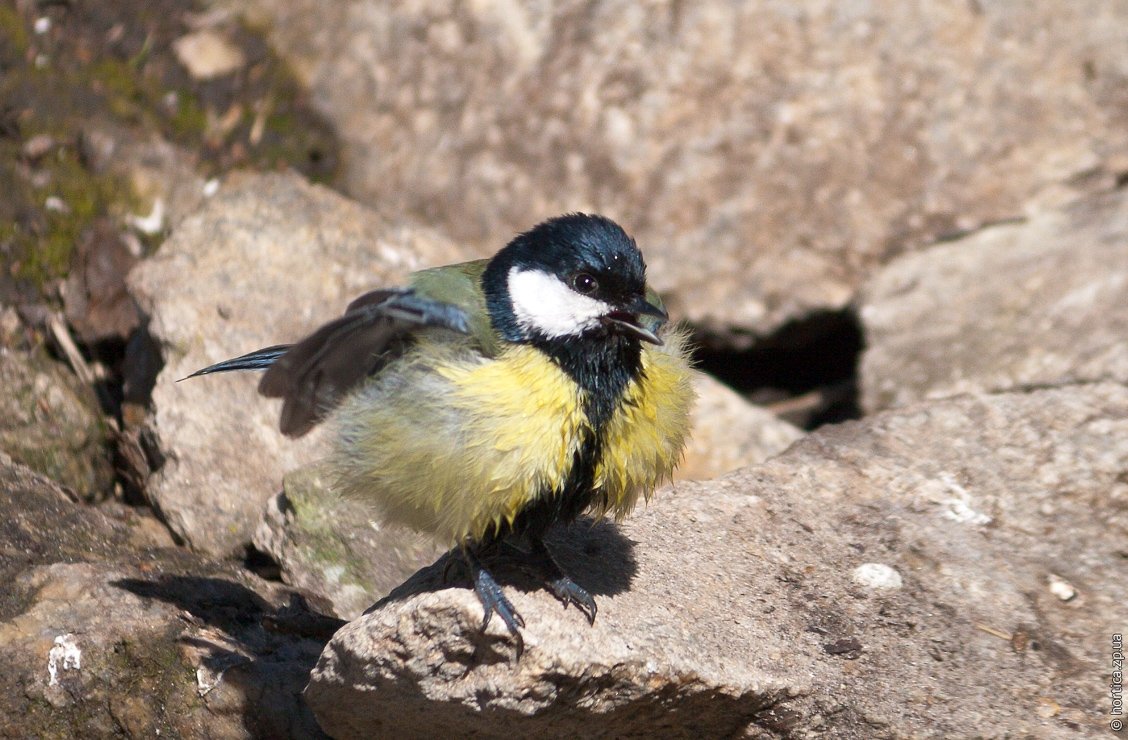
[[733, 607], [51, 422], [767, 155], [102, 636], [161, 175], [729, 432], [266, 260], [1037, 303]]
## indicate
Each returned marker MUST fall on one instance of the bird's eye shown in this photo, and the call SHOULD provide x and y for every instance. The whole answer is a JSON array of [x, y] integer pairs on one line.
[[584, 283]]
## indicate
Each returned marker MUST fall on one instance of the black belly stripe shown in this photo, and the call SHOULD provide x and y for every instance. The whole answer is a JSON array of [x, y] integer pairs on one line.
[[564, 506], [603, 368]]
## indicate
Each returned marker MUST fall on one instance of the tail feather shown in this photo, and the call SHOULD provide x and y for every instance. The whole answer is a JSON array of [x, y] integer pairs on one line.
[[258, 360]]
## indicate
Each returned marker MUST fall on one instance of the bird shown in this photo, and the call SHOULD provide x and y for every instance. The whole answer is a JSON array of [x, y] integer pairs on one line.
[[486, 401]]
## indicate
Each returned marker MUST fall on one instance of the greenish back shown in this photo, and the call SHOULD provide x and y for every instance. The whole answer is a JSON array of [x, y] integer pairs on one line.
[[461, 285]]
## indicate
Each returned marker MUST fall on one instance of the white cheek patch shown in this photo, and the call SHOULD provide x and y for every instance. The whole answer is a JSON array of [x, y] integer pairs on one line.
[[544, 304]]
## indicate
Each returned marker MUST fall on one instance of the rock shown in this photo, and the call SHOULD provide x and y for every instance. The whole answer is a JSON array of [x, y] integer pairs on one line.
[[266, 260], [1037, 303], [97, 303], [336, 548], [207, 54], [98, 638], [733, 607], [729, 432], [796, 147], [12, 330], [52, 423]]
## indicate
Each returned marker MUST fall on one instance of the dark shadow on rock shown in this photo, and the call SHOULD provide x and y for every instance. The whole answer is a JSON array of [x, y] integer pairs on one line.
[[266, 653], [595, 554], [232, 607], [216, 601]]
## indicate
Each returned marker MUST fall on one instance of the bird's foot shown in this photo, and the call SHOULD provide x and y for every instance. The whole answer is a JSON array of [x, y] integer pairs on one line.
[[561, 586], [494, 601], [565, 589]]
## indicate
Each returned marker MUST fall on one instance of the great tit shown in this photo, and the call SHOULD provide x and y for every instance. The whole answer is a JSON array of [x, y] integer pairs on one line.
[[489, 400]]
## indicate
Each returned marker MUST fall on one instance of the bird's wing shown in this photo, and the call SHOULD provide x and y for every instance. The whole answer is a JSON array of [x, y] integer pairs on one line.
[[312, 375]]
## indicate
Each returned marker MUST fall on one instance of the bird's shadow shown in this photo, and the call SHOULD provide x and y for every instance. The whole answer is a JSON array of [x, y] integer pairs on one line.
[[594, 554], [269, 641], [266, 651]]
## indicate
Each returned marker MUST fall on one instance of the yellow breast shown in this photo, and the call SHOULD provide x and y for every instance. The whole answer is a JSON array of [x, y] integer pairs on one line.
[[645, 438], [454, 444], [525, 422]]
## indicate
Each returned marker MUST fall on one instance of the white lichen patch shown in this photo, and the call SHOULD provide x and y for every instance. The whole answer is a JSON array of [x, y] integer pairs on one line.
[[64, 655], [958, 504]]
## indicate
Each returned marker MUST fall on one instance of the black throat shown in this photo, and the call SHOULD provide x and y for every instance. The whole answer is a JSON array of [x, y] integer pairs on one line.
[[602, 363]]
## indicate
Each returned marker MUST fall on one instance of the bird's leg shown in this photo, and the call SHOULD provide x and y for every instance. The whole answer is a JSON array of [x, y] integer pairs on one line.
[[492, 598], [561, 586]]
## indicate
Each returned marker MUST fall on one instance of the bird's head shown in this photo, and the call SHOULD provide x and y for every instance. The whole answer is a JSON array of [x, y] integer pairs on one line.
[[572, 277]]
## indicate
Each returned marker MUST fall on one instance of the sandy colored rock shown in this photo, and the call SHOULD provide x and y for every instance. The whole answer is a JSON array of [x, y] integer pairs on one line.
[[1038, 303], [729, 432], [266, 260], [767, 155], [733, 607], [207, 54]]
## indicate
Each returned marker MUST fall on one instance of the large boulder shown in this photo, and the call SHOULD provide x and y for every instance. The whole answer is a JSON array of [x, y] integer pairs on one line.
[[1024, 305], [774, 152], [938, 570]]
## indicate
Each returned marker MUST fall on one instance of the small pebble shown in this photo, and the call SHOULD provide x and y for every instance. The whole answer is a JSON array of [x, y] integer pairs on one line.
[[1061, 588], [877, 576]]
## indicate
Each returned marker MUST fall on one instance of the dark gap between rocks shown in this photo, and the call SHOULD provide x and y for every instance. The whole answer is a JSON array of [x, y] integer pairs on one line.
[[262, 564], [806, 372]]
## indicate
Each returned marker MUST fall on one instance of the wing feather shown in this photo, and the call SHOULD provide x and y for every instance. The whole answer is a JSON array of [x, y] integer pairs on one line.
[[313, 375]]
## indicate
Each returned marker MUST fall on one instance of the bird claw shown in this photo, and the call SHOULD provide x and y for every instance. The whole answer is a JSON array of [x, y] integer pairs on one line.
[[565, 589]]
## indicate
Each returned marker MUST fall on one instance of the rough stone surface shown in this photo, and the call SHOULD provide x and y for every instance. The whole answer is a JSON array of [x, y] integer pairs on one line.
[[729, 432], [97, 304], [266, 260], [731, 606], [1038, 303], [51, 422], [793, 146], [335, 547], [103, 636]]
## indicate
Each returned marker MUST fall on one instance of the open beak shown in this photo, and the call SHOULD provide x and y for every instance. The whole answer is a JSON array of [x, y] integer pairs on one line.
[[642, 320]]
